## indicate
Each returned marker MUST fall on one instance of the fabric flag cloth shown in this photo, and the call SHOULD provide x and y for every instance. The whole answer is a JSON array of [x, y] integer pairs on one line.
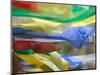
[[25, 13], [76, 63], [77, 36]]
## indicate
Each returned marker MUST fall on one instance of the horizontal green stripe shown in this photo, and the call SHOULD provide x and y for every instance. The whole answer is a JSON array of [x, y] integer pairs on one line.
[[25, 51], [25, 13]]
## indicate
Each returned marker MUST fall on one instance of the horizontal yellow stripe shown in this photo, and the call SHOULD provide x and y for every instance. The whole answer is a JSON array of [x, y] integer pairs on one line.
[[35, 70], [51, 23], [84, 22]]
